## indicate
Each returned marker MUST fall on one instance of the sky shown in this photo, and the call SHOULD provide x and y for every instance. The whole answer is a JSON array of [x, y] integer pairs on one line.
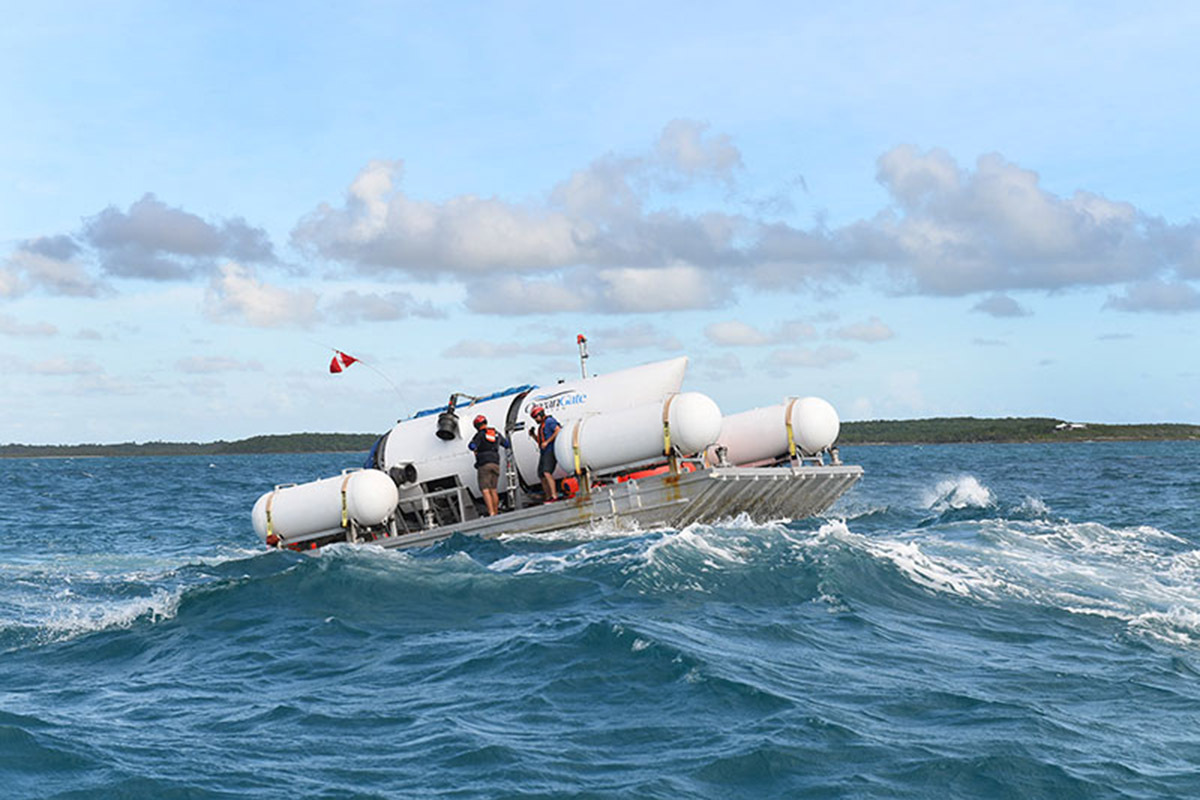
[[909, 209]]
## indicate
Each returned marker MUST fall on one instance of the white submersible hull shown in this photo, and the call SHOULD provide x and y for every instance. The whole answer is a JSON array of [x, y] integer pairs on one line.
[[632, 449]]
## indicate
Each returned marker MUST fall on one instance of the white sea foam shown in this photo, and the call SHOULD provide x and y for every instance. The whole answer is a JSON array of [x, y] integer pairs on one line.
[[700, 539], [602, 529], [1034, 506], [965, 491], [1138, 574], [556, 560], [73, 619]]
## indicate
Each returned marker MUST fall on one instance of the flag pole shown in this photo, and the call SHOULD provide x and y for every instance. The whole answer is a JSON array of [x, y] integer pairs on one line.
[[373, 368]]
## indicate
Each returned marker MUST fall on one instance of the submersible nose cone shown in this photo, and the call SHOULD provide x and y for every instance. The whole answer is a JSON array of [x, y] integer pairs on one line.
[[447, 425]]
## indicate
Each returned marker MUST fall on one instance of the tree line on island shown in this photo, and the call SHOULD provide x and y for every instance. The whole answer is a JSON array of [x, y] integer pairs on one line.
[[939, 430], [281, 443]]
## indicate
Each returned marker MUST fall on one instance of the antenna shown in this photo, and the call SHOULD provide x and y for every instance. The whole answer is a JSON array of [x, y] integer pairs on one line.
[[583, 354]]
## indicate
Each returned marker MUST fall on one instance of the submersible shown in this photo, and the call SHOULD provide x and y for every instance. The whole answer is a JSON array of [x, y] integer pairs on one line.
[[633, 449]]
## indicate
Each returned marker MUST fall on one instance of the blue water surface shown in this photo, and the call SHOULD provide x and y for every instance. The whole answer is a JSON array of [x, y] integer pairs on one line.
[[988, 621]]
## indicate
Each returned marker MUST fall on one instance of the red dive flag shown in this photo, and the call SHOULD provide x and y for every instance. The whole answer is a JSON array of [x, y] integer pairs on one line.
[[340, 361]]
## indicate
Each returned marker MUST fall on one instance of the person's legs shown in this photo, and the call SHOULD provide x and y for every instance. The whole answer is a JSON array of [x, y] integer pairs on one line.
[[489, 475], [546, 466]]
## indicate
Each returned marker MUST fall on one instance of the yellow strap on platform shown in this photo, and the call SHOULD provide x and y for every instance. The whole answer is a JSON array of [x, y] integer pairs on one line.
[[787, 420]]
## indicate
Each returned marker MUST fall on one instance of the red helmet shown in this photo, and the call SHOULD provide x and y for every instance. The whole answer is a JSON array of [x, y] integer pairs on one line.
[[480, 421], [536, 410]]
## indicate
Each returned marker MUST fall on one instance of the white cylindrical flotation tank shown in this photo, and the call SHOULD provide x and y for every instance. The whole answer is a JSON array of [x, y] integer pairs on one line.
[[295, 513], [761, 434], [638, 435]]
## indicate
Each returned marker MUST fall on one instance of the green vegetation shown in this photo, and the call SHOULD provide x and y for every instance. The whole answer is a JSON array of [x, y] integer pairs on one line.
[[287, 443], [940, 430], [946, 430]]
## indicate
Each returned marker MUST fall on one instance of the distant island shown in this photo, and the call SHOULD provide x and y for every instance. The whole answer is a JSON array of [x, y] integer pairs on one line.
[[966, 430], [938, 430], [283, 443]]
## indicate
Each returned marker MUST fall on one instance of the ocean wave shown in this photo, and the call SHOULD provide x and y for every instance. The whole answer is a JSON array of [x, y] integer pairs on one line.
[[76, 595], [964, 491], [1141, 575]]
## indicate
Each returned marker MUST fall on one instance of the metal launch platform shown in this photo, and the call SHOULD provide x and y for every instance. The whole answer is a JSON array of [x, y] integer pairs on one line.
[[670, 500]]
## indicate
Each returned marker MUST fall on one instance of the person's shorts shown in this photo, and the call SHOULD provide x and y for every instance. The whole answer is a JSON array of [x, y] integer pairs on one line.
[[547, 462], [489, 474]]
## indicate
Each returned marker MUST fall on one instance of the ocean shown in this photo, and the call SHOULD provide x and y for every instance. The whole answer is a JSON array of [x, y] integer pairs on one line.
[[970, 621]]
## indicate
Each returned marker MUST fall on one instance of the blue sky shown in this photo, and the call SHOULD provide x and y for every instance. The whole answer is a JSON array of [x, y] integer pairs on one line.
[[910, 209]]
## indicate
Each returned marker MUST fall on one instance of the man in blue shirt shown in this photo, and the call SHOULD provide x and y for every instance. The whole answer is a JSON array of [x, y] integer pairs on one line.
[[545, 433]]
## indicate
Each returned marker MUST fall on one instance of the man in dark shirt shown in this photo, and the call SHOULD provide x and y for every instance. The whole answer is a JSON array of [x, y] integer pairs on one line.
[[486, 445]]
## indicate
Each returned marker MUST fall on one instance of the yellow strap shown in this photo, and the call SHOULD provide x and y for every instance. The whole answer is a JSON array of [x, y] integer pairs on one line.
[[666, 420], [575, 443], [787, 420], [345, 513], [270, 525]]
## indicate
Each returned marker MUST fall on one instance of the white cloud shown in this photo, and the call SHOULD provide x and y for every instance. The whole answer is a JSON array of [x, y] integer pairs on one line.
[[516, 295], [380, 227], [596, 218], [635, 336], [50, 263], [236, 295], [819, 357], [658, 289], [1000, 305], [952, 231], [66, 366], [155, 241], [210, 364], [607, 239], [10, 282], [873, 330], [683, 148], [1155, 295], [608, 291], [485, 348], [10, 326], [735, 333], [598, 242], [106, 385], [353, 306]]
